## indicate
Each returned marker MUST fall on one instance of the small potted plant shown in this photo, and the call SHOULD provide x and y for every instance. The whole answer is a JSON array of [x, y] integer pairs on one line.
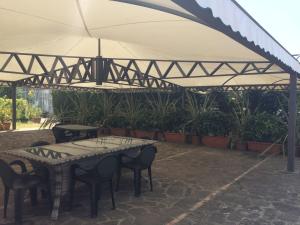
[[174, 124], [161, 107], [215, 128], [35, 114], [262, 131], [241, 113], [5, 118], [144, 126], [118, 125], [195, 106]]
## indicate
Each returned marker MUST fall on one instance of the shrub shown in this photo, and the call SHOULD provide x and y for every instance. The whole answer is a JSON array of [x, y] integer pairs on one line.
[[215, 123], [5, 109], [264, 127], [25, 111]]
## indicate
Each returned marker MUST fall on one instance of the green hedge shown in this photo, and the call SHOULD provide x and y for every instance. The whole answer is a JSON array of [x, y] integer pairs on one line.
[[252, 115]]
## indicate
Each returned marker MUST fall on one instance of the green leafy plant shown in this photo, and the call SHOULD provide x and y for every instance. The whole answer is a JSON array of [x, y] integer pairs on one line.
[[162, 107], [195, 108], [132, 110], [215, 123], [107, 107], [5, 109], [241, 113], [264, 127]]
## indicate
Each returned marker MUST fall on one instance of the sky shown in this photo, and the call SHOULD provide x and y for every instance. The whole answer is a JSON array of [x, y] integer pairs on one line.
[[281, 18]]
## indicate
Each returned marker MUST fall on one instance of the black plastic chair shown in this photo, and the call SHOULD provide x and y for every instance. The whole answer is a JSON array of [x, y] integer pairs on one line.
[[137, 164], [60, 135], [19, 183], [102, 173], [92, 134]]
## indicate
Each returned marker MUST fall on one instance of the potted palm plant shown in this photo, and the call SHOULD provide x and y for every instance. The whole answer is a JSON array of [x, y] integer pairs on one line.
[[132, 112], [175, 129], [195, 106], [144, 125], [241, 113], [163, 107], [107, 108]]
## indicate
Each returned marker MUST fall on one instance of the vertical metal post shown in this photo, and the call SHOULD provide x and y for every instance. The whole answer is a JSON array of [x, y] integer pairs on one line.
[[99, 70], [99, 47], [292, 123], [14, 107]]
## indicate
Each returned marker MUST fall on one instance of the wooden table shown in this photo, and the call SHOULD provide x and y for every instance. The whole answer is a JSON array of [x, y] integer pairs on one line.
[[59, 156]]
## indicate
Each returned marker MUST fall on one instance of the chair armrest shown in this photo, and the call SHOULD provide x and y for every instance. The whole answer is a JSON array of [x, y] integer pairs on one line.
[[79, 138], [19, 163], [126, 156]]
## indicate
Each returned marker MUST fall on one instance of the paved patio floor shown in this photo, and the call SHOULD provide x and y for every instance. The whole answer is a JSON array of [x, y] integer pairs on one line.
[[193, 185]]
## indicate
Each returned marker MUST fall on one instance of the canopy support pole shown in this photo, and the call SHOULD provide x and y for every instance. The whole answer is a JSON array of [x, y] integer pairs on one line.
[[292, 123], [14, 106], [99, 70]]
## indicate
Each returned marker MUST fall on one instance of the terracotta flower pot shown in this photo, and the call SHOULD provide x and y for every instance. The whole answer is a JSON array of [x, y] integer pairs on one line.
[[5, 125], [118, 131], [159, 136], [262, 146], [36, 120], [193, 139], [175, 137], [104, 131], [216, 141], [241, 146], [142, 134]]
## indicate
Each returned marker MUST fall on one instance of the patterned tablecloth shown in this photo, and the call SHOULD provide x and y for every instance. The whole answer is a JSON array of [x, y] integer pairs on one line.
[[57, 154], [59, 157]]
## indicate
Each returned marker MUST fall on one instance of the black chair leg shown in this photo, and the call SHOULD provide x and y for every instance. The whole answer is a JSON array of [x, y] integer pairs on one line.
[[150, 178], [112, 194], [137, 182], [6, 197], [19, 200], [49, 194], [98, 193], [44, 194], [33, 196], [94, 201], [72, 189], [119, 173]]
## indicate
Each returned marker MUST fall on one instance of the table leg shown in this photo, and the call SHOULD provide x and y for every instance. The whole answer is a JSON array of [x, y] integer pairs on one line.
[[58, 178]]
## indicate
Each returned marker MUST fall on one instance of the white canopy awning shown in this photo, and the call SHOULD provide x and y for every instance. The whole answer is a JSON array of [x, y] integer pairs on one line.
[[196, 30]]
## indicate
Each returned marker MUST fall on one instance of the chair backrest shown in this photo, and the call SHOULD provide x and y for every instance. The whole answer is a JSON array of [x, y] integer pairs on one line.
[[146, 156], [39, 143], [59, 134], [7, 174], [92, 134], [107, 167]]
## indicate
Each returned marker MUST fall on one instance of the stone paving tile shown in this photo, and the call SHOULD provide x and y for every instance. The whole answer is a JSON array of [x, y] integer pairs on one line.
[[267, 195], [184, 175]]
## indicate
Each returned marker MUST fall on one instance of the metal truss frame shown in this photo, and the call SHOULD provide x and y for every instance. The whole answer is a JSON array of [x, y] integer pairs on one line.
[[62, 72], [264, 87]]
